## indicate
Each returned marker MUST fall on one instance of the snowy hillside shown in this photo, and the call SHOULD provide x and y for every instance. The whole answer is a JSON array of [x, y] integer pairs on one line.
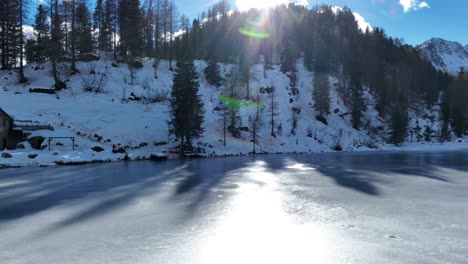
[[125, 122], [445, 55]]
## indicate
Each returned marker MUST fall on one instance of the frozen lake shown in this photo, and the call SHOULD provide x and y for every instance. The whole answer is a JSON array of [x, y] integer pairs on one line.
[[323, 208]]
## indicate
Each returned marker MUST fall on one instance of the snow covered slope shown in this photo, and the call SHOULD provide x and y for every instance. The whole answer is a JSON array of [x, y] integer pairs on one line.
[[122, 118], [445, 55]]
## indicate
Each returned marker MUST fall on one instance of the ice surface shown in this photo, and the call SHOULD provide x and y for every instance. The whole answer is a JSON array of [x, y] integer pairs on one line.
[[321, 208]]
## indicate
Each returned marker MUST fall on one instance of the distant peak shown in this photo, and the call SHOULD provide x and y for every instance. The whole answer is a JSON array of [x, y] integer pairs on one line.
[[445, 55]]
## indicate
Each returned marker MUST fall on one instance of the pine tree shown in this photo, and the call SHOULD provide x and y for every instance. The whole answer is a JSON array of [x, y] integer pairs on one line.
[[255, 122], [131, 39], [232, 103], [109, 25], [42, 34], [321, 93], [288, 58], [267, 57], [11, 36], [30, 51], [272, 110], [73, 36], [98, 24], [186, 105], [172, 24], [149, 30], [21, 77], [357, 102], [399, 120], [244, 66], [55, 48], [288, 65], [83, 29], [212, 73]]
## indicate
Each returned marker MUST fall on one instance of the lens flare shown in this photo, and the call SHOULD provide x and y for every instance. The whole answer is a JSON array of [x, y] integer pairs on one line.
[[257, 27], [235, 101]]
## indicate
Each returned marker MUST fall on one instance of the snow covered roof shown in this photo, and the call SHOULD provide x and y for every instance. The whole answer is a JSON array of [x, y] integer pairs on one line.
[[5, 115]]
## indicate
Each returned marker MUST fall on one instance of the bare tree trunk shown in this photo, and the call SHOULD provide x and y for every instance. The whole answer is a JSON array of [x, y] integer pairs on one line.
[[224, 124], [73, 40], [182, 146], [165, 10], [22, 79], [171, 35], [115, 30], [65, 16]]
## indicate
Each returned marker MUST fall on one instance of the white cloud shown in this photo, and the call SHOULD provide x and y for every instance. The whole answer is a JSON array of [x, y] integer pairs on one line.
[[413, 5], [361, 21]]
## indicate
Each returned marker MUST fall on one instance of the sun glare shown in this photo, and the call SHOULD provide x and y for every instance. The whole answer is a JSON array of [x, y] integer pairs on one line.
[[244, 5], [257, 229]]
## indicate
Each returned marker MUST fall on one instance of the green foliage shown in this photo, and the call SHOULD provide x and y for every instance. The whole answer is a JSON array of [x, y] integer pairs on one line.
[[186, 105]]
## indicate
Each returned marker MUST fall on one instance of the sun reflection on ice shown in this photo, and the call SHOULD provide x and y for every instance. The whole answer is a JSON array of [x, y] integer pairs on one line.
[[256, 228]]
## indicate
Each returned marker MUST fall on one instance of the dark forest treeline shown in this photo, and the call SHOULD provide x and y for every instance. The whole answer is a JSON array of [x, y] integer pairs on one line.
[[328, 41]]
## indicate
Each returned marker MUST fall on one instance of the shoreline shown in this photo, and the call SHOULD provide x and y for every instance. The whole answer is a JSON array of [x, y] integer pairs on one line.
[[160, 157]]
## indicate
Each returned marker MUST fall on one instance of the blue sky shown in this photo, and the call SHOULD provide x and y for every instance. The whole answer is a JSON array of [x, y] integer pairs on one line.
[[413, 20]]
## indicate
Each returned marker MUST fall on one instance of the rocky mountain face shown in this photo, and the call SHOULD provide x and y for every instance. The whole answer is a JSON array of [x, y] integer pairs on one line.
[[445, 55]]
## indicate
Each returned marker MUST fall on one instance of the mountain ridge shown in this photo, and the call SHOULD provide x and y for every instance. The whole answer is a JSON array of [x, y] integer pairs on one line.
[[445, 55]]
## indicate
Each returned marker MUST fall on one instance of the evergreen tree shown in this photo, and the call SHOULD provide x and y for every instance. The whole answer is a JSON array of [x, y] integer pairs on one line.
[[288, 65], [288, 58], [83, 29], [99, 15], [42, 34], [30, 51], [212, 74], [272, 110], [321, 93], [73, 35], [109, 25], [130, 22], [399, 120], [21, 77], [11, 36], [357, 102], [55, 47], [255, 122], [232, 103], [186, 105]]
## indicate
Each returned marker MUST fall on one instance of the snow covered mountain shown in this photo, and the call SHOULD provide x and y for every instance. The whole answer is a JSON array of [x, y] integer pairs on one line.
[[445, 55]]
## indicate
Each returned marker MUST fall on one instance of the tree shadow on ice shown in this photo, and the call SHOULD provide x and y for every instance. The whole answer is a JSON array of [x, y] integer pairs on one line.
[[108, 187], [24, 191], [363, 172]]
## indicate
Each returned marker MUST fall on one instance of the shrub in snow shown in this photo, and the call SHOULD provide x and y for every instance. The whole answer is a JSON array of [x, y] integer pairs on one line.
[[6, 155], [153, 95], [97, 149], [137, 64], [94, 83], [158, 96]]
